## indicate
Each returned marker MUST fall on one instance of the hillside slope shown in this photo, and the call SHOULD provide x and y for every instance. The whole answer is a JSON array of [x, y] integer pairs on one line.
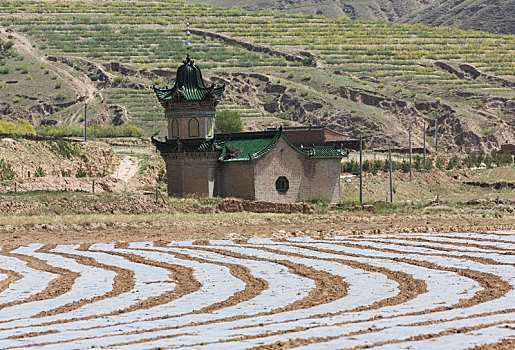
[[355, 9], [494, 16], [371, 78]]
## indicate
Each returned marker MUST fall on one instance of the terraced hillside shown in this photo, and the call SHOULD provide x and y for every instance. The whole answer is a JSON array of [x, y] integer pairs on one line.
[[414, 291], [374, 78], [487, 15], [353, 9], [495, 16]]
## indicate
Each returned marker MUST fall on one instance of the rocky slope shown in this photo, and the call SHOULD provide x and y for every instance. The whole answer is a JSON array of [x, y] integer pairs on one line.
[[495, 16]]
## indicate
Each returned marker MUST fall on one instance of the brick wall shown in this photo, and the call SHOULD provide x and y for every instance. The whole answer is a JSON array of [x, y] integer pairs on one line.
[[192, 173], [308, 178], [236, 179]]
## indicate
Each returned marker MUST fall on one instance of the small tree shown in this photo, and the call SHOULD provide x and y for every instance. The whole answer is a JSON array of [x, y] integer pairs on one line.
[[228, 121]]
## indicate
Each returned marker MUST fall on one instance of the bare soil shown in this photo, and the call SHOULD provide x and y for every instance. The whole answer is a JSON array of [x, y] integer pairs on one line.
[[167, 227]]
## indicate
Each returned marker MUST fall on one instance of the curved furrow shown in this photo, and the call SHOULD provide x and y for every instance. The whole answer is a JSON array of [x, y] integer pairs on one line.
[[274, 272], [482, 237], [41, 281], [148, 282], [400, 291], [461, 338], [91, 282], [317, 331], [242, 326], [209, 274], [439, 248]]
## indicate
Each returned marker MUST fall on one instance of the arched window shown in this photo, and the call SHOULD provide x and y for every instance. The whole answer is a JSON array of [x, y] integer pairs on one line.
[[282, 184], [209, 127], [175, 128], [193, 128]]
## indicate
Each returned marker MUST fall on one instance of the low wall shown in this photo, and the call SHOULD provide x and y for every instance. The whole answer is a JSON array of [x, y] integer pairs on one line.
[[235, 206]]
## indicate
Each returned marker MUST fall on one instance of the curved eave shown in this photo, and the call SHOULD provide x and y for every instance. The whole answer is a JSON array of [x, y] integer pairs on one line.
[[248, 136], [316, 152], [190, 93]]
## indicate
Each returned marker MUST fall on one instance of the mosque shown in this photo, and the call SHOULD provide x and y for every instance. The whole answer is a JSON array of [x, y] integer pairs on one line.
[[263, 165]]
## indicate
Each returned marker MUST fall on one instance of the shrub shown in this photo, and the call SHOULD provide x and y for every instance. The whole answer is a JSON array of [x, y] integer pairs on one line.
[[6, 170], [94, 77], [39, 172], [429, 164], [439, 163], [4, 70], [405, 166], [20, 127], [306, 77], [94, 131], [58, 85], [23, 70], [228, 121], [454, 162], [161, 176], [81, 173], [64, 148], [16, 100], [60, 96]]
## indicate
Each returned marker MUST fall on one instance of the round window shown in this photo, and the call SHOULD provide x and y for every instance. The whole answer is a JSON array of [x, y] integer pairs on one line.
[[281, 184]]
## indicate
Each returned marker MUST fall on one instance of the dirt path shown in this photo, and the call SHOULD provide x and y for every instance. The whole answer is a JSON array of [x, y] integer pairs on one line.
[[127, 169], [79, 82]]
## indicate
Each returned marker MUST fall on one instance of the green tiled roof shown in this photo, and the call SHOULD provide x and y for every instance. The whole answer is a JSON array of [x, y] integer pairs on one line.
[[190, 85], [246, 145], [188, 145], [242, 146]]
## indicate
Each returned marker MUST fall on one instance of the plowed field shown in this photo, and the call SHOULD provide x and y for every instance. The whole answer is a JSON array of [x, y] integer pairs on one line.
[[403, 291]]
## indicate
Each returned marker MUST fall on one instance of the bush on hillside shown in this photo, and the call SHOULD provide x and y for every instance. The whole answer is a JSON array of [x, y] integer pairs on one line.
[[19, 127], [228, 121], [6, 170], [95, 131]]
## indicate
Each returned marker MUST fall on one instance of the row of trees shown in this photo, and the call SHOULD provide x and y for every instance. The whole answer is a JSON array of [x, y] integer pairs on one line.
[[471, 160], [23, 127]]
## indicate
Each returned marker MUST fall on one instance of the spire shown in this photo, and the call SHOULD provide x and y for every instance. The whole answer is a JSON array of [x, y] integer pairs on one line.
[[187, 44]]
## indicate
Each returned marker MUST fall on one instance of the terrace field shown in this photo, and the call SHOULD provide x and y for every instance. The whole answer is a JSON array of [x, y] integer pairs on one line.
[[375, 78]]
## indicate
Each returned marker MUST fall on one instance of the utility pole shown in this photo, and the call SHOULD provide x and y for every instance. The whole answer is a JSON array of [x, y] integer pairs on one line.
[[360, 168], [85, 122], [410, 157], [424, 145], [391, 180]]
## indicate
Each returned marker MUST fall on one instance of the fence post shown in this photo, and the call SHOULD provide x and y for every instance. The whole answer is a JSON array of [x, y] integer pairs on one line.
[[93, 186], [15, 187], [424, 145], [360, 169], [157, 195]]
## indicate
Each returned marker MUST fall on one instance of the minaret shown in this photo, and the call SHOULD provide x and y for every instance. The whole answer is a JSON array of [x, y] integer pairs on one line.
[[190, 105], [189, 151]]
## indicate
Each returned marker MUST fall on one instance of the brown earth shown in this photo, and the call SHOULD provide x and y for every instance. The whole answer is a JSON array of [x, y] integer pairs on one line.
[[241, 225], [26, 156]]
